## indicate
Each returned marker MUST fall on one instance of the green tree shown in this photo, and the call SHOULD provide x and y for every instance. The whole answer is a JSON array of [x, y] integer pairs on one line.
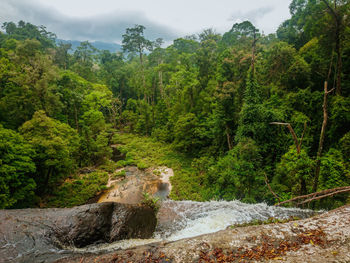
[[55, 146], [238, 175], [134, 41], [95, 131], [294, 174], [62, 56], [17, 169], [84, 59], [186, 134], [284, 67], [23, 31], [28, 85]]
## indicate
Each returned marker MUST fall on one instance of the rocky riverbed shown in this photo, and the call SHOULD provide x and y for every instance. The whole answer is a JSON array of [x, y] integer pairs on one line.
[[44, 235], [129, 188], [323, 238], [186, 231]]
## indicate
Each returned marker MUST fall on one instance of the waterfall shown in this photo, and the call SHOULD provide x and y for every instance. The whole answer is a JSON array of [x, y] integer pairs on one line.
[[198, 218], [184, 219]]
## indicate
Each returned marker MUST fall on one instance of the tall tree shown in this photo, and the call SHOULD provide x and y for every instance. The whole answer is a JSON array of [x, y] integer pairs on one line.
[[55, 146], [134, 41]]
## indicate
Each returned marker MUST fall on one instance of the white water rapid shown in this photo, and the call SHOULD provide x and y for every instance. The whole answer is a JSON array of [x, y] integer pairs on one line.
[[184, 219]]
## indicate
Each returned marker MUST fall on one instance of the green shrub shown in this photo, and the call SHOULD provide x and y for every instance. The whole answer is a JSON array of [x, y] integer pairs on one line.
[[146, 152], [141, 165], [78, 191], [151, 202], [109, 166], [118, 174]]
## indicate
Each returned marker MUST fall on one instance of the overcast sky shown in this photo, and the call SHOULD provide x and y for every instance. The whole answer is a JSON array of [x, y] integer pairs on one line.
[[106, 20]]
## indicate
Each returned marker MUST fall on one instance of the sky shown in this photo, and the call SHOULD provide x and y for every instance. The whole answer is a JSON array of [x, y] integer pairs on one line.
[[106, 20]]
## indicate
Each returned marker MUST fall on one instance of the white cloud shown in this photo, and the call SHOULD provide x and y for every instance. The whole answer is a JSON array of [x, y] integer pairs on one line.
[[106, 20]]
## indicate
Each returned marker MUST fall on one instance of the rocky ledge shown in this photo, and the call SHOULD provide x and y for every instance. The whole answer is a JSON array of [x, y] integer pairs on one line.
[[43, 235], [323, 238]]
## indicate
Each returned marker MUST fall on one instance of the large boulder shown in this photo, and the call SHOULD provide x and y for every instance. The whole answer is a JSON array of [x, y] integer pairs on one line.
[[29, 235]]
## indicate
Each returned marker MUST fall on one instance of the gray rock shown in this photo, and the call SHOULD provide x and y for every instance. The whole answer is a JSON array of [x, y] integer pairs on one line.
[[43, 235]]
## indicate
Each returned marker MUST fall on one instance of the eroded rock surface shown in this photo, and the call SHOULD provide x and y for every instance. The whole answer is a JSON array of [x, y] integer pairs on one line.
[[323, 238], [129, 189], [43, 235]]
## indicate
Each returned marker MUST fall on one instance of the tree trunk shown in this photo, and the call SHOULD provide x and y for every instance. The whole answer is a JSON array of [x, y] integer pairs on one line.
[[294, 136], [322, 136], [338, 25], [143, 78], [47, 179], [229, 142], [298, 144]]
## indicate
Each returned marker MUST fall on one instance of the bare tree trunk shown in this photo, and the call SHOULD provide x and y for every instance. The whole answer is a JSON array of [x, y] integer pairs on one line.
[[229, 141], [298, 144], [270, 188], [294, 136], [322, 136]]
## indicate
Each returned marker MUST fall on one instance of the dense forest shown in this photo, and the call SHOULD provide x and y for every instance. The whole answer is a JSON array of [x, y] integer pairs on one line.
[[262, 118]]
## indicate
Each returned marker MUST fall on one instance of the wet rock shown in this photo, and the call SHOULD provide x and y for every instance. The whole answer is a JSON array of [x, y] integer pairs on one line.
[[139, 222], [42, 235], [130, 189], [323, 238]]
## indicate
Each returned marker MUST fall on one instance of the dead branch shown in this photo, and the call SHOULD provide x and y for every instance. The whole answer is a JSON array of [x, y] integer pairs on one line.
[[269, 186], [315, 195], [330, 91], [323, 196], [322, 137], [295, 138]]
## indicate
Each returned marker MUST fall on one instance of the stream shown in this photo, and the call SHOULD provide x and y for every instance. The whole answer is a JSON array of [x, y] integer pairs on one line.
[[185, 219], [182, 219]]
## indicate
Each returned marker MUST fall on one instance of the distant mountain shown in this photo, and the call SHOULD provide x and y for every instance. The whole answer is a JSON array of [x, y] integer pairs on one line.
[[112, 47]]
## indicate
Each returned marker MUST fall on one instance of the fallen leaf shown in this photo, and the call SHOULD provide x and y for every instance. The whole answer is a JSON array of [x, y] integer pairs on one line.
[[277, 258]]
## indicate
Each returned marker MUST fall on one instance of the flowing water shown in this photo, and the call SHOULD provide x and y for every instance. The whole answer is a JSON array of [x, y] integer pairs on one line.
[[184, 219], [197, 218]]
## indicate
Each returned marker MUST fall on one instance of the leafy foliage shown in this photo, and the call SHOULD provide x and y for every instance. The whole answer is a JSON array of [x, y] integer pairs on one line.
[[202, 105], [55, 145], [294, 174], [238, 175], [17, 168]]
